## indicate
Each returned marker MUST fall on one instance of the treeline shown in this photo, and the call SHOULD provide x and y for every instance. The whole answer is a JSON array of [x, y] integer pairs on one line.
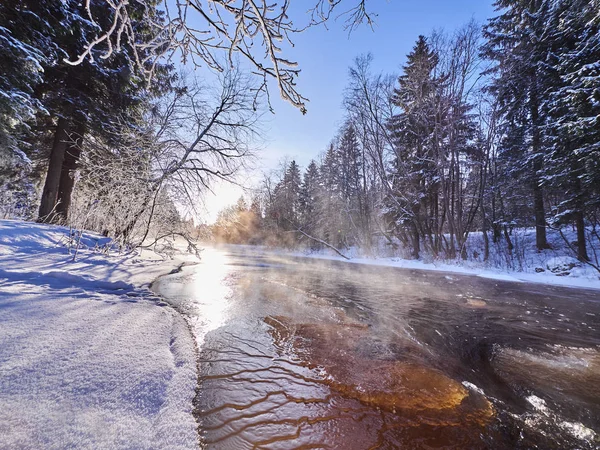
[[485, 130]]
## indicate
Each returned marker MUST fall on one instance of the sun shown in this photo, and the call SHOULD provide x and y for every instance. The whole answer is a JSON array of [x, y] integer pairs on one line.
[[224, 194]]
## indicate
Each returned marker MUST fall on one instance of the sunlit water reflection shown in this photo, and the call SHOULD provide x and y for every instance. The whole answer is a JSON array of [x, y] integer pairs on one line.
[[298, 353]]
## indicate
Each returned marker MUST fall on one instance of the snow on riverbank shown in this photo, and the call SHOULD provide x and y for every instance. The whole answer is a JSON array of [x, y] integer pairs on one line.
[[582, 278], [553, 266], [89, 357]]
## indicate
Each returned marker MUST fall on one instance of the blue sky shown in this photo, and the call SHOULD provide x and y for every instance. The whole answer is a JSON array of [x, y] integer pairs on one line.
[[324, 55]]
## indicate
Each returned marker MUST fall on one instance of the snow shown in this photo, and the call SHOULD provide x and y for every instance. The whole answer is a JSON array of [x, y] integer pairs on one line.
[[552, 267], [589, 281], [89, 357], [499, 276]]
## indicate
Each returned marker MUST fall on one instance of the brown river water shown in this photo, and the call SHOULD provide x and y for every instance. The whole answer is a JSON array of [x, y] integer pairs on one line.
[[299, 353]]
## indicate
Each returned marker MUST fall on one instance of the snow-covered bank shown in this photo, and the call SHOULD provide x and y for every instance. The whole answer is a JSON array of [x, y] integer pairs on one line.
[[89, 357], [553, 266], [583, 278], [589, 280]]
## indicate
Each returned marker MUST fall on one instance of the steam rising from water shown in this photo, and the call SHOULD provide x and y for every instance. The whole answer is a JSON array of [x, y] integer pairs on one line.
[[300, 354]]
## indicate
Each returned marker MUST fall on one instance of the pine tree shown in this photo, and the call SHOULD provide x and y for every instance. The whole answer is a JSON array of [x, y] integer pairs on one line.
[[416, 134], [574, 106], [517, 43]]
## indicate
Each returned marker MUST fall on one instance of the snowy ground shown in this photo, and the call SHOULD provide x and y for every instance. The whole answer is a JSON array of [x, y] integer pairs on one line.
[[89, 357]]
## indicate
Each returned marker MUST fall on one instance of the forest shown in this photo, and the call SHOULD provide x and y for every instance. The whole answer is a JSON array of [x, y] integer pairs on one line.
[[488, 129]]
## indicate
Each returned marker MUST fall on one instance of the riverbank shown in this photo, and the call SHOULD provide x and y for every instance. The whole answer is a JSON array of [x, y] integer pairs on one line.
[[580, 277], [552, 267], [89, 356]]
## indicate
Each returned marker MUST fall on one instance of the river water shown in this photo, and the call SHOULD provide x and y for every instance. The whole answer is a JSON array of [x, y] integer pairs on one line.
[[298, 353]]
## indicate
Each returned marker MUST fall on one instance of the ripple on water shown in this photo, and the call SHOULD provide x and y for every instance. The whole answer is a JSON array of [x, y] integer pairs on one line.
[[555, 374], [302, 385]]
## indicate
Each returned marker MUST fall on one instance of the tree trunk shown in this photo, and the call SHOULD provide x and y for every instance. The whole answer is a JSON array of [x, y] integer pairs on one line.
[[416, 241], [57, 155], [67, 176], [536, 148], [540, 217], [509, 244], [582, 254], [486, 245]]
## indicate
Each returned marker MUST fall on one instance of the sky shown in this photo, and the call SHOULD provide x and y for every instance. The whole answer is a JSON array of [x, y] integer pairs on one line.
[[324, 55]]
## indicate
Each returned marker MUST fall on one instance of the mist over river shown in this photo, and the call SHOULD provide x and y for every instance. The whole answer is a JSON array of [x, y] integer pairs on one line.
[[299, 353]]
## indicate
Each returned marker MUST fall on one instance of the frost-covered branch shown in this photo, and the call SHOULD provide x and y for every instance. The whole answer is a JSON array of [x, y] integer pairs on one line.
[[200, 31]]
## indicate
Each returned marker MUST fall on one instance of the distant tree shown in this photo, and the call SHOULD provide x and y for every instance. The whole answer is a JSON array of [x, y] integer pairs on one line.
[[369, 106], [308, 198], [331, 205], [288, 194], [353, 186]]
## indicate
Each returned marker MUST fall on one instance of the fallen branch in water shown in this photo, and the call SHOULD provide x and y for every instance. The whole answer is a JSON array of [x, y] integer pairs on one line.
[[298, 230]]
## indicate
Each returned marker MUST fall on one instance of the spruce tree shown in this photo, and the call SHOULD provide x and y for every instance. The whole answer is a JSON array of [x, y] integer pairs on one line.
[[25, 46], [90, 98], [413, 172], [574, 106], [309, 197], [517, 43]]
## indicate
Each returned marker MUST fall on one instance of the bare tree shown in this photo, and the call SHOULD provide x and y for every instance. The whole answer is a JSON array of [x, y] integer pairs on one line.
[[458, 156], [190, 139]]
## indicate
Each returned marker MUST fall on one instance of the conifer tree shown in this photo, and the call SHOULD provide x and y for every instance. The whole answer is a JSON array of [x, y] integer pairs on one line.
[[309, 197], [415, 132], [516, 42], [572, 166], [90, 98]]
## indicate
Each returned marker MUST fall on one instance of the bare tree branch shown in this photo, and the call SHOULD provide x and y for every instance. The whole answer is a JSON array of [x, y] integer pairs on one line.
[[225, 27]]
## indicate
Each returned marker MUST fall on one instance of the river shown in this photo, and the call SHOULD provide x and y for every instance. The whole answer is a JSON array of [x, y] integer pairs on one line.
[[300, 353]]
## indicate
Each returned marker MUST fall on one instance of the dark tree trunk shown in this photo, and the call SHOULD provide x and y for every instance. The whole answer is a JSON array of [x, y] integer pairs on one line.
[[486, 245], [582, 254], [536, 148], [540, 217], [51, 185], [416, 241], [67, 176], [509, 244]]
